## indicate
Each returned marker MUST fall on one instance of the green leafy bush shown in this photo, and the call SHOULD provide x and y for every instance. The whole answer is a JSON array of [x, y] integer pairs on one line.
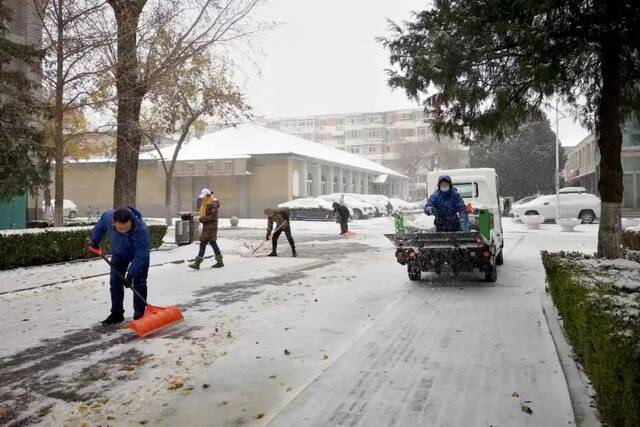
[[600, 318], [50, 246]]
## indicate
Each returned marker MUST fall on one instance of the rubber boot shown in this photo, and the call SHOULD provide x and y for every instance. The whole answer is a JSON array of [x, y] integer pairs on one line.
[[219, 263], [274, 248], [196, 263], [294, 253]]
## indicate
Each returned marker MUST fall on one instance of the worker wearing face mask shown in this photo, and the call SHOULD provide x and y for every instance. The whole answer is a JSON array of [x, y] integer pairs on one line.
[[448, 207]]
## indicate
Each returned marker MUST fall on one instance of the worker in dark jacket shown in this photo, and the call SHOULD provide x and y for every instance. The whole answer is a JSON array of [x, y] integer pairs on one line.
[[130, 246], [448, 207], [280, 217], [341, 212], [209, 206]]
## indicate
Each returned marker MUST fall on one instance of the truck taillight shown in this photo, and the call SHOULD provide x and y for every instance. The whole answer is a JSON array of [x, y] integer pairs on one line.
[[487, 254], [469, 208]]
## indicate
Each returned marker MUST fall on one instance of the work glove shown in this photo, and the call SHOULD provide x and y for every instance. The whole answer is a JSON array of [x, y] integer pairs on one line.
[[431, 211], [128, 281], [464, 226], [95, 249], [268, 237]]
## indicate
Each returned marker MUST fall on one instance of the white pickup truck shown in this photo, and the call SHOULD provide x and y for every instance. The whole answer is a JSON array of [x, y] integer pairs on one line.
[[479, 248]]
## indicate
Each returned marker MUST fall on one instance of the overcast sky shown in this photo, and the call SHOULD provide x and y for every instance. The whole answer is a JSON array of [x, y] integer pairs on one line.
[[323, 58]]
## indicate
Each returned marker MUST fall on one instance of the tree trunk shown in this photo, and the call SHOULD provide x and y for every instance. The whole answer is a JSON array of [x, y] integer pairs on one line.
[[130, 93], [58, 217], [610, 146], [167, 200], [47, 203]]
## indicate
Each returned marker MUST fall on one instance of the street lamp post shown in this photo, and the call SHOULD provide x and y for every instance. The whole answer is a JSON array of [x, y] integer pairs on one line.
[[558, 113], [557, 164]]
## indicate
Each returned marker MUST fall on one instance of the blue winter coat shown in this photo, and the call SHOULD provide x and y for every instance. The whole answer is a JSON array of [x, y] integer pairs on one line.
[[447, 206], [134, 246]]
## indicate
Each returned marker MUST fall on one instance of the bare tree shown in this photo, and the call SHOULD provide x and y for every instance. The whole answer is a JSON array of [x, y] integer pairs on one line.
[[140, 60], [198, 90], [70, 45]]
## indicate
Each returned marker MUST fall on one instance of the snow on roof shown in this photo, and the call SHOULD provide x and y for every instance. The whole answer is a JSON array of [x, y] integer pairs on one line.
[[248, 139]]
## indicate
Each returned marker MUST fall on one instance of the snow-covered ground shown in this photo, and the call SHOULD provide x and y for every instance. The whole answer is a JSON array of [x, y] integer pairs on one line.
[[364, 345]]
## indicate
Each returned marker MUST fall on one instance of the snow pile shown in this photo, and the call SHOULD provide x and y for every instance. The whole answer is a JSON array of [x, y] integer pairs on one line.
[[620, 273], [421, 222], [44, 230]]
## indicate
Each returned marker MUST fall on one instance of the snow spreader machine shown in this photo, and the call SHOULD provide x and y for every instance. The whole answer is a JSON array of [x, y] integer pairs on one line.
[[480, 248]]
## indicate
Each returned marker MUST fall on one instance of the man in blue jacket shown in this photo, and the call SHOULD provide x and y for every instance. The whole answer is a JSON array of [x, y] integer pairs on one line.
[[130, 246], [448, 207]]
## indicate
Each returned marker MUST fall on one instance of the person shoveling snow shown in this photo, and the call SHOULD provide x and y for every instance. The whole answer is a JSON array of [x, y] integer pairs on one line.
[[130, 247], [341, 212], [280, 217]]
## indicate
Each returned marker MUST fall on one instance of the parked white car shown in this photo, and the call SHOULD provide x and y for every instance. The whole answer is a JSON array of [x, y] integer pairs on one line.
[[400, 205], [69, 209], [357, 208], [379, 202], [584, 206]]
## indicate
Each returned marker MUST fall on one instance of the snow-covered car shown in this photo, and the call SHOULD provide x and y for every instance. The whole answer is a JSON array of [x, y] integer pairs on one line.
[[400, 205], [573, 190], [69, 209], [379, 202], [308, 209], [584, 206], [357, 209]]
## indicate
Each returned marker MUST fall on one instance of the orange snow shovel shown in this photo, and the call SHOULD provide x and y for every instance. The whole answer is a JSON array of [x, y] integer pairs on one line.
[[154, 317]]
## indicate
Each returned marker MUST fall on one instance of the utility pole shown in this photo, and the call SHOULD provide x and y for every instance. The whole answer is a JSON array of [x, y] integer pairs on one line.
[[557, 164]]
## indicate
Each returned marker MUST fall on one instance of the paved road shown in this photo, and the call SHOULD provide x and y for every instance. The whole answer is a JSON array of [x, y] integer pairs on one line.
[[454, 354], [365, 345]]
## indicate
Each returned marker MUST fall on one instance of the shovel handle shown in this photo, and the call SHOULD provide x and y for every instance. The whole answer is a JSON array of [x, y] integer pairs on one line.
[[104, 257], [274, 231]]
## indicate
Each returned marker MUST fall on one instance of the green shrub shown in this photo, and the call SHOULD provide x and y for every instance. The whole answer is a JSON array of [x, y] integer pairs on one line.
[[601, 320], [631, 240], [50, 246]]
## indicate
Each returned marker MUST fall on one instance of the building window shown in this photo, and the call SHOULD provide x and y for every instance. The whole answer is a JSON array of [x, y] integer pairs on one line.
[[309, 182], [228, 166], [323, 180]]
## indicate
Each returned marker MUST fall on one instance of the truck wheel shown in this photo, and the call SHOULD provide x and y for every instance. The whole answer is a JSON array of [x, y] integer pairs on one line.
[[491, 273], [500, 258], [415, 274]]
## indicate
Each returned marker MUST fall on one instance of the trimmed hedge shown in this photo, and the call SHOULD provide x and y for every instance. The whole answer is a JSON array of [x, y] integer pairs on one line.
[[631, 240], [51, 246], [602, 322]]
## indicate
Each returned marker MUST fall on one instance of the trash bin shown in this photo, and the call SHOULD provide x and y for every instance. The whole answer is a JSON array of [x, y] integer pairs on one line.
[[196, 229], [184, 229]]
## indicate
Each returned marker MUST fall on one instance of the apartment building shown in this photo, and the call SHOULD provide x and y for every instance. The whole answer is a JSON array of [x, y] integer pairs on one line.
[[370, 135], [582, 167], [385, 137]]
